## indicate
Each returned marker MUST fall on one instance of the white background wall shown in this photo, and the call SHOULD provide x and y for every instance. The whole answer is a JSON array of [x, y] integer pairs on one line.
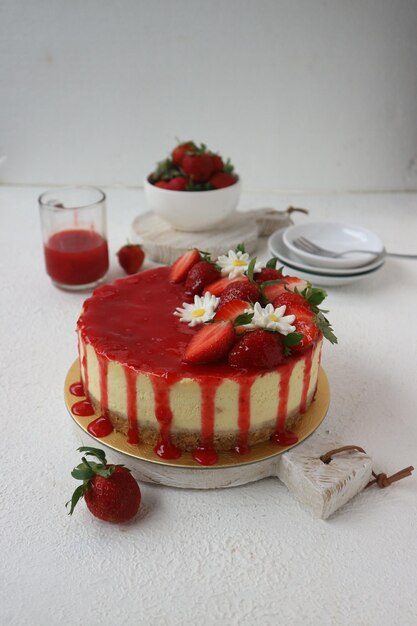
[[301, 94]]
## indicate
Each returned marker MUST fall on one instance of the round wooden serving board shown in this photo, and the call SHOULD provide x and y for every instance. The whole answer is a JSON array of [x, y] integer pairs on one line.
[[231, 468], [164, 244]]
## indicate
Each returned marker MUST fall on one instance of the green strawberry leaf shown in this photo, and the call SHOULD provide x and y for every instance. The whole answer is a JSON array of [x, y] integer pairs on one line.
[[314, 295], [228, 167], [292, 339], [244, 318], [240, 248], [251, 267], [82, 472], [272, 263], [100, 454], [76, 496], [105, 472], [272, 282], [324, 325]]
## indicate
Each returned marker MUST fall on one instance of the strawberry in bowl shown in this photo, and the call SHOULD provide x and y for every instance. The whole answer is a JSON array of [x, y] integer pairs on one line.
[[206, 189]]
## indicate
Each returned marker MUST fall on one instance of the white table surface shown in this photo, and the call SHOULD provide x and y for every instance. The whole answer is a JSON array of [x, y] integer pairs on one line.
[[247, 555]]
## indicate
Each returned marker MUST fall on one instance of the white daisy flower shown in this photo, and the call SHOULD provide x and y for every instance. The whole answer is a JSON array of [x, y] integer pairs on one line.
[[200, 311], [235, 264], [272, 319]]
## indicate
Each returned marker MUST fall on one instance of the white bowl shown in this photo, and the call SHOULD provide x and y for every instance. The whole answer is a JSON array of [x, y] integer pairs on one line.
[[337, 238], [193, 211]]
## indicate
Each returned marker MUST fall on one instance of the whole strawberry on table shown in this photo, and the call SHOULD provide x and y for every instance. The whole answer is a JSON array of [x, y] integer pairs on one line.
[[110, 491], [193, 168]]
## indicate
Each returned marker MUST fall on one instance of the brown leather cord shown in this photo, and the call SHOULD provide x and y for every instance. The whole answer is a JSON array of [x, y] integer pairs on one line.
[[326, 458], [381, 480]]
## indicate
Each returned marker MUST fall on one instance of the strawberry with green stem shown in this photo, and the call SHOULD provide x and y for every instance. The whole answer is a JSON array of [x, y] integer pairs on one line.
[[110, 491]]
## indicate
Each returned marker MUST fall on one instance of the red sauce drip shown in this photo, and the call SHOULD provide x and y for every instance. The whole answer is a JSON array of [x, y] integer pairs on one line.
[[243, 422], [84, 408], [167, 450], [163, 413], [206, 454], [76, 257], [104, 395], [284, 390], [284, 438], [101, 427], [77, 389], [133, 433], [85, 370], [306, 380]]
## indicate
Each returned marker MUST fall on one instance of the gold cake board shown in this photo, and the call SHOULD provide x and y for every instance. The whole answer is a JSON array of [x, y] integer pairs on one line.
[[231, 468]]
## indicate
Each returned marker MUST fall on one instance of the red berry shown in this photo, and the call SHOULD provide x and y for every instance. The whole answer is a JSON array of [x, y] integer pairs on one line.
[[114, 499], [200, 275], [179, 152], [198, 167], [110, 491], [211, 343], [304, 323], [290, 299], [178, 183], [219, 286], [131, 257], [231, 310], [218, 164], [268, 273], [162, 184], [243, 290], [221, 180], [258, 349], [291, 283], [181, 267]]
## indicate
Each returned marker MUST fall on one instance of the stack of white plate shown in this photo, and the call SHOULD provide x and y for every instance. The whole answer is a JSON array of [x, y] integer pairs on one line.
[[369, 255]]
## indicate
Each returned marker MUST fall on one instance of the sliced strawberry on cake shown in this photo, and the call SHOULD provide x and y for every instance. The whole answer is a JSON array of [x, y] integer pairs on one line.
[[288, 283], [290, 299], [232, 310], [305, 323], [181, 267], [219, 286], [210, 344]]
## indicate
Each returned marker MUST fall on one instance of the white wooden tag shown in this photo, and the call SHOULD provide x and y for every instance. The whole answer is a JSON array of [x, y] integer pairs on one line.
[[323, 488]]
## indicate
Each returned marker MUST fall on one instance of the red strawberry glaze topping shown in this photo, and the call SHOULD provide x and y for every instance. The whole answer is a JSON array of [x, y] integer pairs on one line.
[[84, 408], [77, 389], [100, 427], [137, 328]]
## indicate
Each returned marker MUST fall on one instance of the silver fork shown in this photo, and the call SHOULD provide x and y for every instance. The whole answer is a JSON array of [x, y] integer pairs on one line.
[[308, 246]]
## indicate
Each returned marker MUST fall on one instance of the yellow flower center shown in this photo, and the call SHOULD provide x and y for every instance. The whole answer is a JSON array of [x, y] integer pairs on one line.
[[198, 313], [239, 263], [274, 318]]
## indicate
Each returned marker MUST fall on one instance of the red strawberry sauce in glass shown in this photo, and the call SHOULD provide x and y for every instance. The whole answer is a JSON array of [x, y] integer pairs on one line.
[[76, 256]]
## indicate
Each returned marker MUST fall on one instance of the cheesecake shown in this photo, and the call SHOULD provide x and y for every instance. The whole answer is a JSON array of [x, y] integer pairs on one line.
[[183, 371]]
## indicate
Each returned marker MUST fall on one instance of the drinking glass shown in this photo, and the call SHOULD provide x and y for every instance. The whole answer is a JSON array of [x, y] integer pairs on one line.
[[74, 231]]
